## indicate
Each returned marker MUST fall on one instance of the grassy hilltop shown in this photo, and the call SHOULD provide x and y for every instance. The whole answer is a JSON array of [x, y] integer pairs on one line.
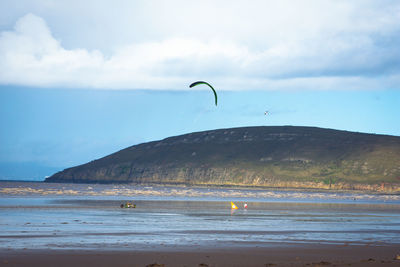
[[274, 156]]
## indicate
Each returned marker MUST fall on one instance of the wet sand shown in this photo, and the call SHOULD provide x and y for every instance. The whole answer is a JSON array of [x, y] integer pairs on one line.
[[288, 255], [83, 225]]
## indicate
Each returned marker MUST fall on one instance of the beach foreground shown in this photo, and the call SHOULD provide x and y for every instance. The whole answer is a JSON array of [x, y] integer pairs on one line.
[[289, 255], [84, 225]]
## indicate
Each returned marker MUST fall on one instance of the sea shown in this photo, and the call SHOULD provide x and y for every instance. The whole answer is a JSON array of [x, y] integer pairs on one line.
[[51, 216]]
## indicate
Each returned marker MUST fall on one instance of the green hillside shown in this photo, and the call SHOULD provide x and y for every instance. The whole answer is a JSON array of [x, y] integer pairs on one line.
[[274, 156]]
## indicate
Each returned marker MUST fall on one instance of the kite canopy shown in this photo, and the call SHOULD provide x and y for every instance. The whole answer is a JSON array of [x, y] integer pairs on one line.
[[201, 82]]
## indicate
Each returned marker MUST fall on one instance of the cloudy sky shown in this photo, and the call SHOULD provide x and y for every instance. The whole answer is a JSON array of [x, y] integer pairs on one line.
[[81, 79]]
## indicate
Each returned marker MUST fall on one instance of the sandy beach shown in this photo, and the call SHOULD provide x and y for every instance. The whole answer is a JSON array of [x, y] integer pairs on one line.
[[290, 255], [195, 227]]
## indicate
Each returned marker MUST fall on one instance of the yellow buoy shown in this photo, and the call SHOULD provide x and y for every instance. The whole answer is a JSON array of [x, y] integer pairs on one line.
[[233, 206]]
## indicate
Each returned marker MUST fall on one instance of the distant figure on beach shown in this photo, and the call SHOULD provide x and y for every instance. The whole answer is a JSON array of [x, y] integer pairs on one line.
[[128, 205], [245, 205]]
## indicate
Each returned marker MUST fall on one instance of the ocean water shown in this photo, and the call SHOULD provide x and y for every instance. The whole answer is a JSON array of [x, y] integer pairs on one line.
[[70, 216]]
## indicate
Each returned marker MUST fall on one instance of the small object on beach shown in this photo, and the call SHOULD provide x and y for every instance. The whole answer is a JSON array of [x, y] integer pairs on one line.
[[245, 205], [233, 206], [155, 265], [321, 263], [203, 265], [128, 205], [369, 260]]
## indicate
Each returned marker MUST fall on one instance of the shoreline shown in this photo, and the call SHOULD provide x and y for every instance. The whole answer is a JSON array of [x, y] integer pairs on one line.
[[376, 188], [288, 255], [227, 186]]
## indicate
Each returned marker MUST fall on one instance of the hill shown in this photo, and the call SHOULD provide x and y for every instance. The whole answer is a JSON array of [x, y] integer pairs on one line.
[[273, 156]]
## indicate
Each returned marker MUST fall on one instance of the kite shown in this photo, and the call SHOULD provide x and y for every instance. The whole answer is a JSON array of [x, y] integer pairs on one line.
[[201, 82]]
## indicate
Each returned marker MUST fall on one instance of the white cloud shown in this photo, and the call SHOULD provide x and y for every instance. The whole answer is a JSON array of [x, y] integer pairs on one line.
[[276, 45]]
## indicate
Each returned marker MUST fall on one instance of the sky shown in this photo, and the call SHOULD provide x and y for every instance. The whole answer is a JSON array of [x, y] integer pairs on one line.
[[82, 79]]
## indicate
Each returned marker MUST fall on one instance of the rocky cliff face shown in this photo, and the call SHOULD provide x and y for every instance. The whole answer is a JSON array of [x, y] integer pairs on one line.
[[265, 156]]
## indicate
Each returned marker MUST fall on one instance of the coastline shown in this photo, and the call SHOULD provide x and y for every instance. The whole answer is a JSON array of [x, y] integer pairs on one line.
[[226, 186], [281, 255], [383, 188]]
